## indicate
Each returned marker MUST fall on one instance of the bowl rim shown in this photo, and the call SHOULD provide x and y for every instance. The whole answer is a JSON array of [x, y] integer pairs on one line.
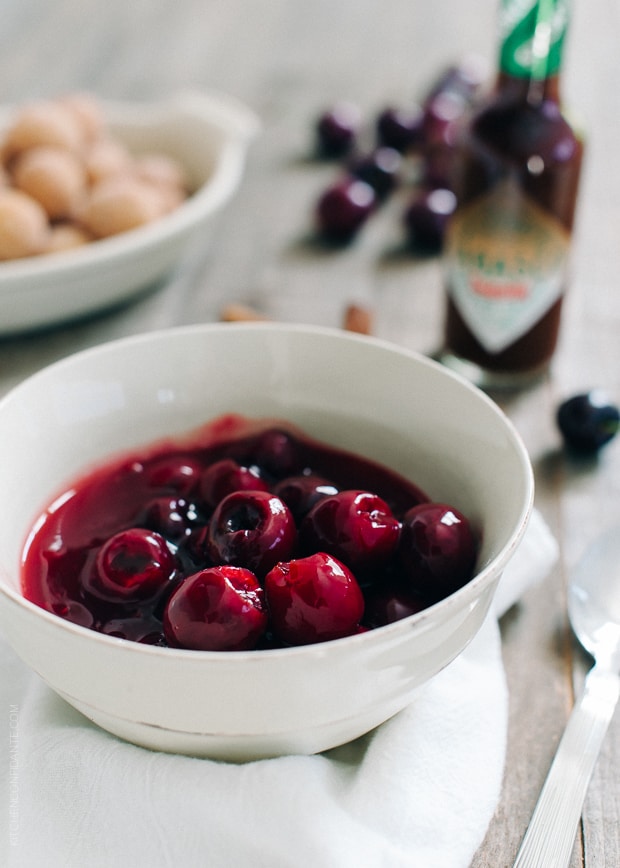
[[470, 590]]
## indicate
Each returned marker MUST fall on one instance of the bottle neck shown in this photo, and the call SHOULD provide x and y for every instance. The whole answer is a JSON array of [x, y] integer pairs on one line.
[[528, 89], [532, 39]]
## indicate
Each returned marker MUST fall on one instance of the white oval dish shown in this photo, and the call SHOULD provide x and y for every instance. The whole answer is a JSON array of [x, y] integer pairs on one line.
[[362, 394], [209, 134]]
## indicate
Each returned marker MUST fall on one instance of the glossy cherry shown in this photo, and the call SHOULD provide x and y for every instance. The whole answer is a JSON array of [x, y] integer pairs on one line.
[[277, 453], [381, 169], [178, 474], [357, 527], [300, 493], [337, 129], [252, 529], [220, 608], [344, 208], [400, 128], [227, 475], [172, 517], [386, 605], [134, 564], [437, 549], [426, 219], [313, 599], [588, 421]]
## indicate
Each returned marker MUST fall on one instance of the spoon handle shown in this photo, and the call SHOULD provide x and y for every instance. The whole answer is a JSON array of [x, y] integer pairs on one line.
[[550, 836]]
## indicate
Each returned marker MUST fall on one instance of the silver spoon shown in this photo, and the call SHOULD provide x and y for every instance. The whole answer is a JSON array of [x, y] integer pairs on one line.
[[594, 612]]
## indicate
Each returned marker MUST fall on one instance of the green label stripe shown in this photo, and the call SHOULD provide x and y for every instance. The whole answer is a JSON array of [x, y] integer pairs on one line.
[[532, 37]]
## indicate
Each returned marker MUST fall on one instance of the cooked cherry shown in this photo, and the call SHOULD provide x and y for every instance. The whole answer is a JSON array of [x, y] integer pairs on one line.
[[426, 219], [217, 609], [588, 421], [134, 564], [277, 452], [381, 169], [344, 208], [252, 529], [357, 527], [225, 476], [174, 473], [172, 517], [313, 599], [300, 493], [437, 549], [400, 128], [337, 129], [384, 606]]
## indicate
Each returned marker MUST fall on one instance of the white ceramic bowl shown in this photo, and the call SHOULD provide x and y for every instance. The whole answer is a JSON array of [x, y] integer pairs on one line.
[[209, 135], [366, 395]]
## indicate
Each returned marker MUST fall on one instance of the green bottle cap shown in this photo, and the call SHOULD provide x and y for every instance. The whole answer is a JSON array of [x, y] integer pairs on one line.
[[532, 37]]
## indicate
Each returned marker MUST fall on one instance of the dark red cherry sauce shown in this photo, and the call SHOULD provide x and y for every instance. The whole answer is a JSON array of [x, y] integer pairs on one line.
[[159, 499]]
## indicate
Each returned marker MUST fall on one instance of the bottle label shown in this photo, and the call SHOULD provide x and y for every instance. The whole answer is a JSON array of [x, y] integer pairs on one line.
[[506, 262], [532, 36]]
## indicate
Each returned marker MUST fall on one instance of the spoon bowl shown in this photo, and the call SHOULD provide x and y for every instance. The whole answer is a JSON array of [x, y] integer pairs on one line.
[[594, 599], [594, 612]]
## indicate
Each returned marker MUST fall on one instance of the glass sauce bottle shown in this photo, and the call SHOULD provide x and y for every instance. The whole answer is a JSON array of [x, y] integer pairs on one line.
[[507, 247]]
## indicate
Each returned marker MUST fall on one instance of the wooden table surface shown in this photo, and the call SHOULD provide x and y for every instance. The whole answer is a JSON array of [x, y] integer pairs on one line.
[[288, 60]]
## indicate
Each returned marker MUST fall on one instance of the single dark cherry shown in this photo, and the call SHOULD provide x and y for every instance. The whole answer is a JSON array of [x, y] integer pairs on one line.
[[313, 599], [277, 452], [300, 493], [356, 527], [225, 476], [437, 549], [217, 609], [251, 529], [172, 517], [175, 473], [588, 421], [426, 219], [443, 116], [386, 605], [400, 128], [134, 564], [344, 208], [381, 169], [337, 129]]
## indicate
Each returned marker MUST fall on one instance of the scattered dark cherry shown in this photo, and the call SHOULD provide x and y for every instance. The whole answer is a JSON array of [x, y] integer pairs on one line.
[[344, 208], [300, 493], [380, 169], [588, 421], [134, 564], [437, 549], [313, 599], [217, 609], [357, 527], [426, 219], [400, 128], [337, 129], [443, 115], [251, 529], [225, 476]]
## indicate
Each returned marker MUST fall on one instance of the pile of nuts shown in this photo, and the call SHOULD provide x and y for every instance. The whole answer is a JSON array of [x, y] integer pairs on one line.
[[66, 180]]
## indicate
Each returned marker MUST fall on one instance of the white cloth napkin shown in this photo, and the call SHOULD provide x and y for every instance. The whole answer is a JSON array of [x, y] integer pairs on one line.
[[418, 791]]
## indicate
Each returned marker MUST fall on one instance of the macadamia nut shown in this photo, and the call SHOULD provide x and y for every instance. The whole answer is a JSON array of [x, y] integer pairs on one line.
[[66, 180], [24, 228], [56, 178]]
